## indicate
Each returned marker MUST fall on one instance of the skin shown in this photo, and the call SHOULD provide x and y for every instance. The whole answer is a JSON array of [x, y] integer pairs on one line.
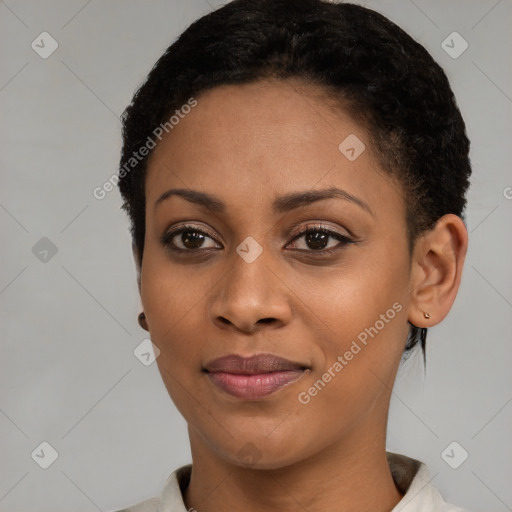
[[247, 145]]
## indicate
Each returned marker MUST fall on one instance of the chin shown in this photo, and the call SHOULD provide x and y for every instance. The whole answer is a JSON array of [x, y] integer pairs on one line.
[[253, 449], [250, 458]]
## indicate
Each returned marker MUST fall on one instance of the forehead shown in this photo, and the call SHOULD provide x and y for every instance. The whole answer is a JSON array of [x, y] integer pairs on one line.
[[269, 138]]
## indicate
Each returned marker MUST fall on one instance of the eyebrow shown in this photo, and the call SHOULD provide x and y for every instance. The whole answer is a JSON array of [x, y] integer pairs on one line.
[[281, 204]]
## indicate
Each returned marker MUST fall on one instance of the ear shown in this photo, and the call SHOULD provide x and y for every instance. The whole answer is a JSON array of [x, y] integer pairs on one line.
[[438, 258], [136, 257]]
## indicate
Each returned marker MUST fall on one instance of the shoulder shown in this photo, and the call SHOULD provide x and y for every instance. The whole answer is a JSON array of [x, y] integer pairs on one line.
[[171, 498], [150, 505], [412, 479]]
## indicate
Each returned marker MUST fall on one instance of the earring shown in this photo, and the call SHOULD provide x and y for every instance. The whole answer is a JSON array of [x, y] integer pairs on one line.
[[142, 321], [426, 315]]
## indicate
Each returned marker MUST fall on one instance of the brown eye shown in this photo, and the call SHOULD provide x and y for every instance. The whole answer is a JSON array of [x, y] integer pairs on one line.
[[191, 239], [321, 240], [188, 239], [317, 240]]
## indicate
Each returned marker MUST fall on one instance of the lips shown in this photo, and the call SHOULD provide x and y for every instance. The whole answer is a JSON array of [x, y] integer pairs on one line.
[[259, 363], [253, 377]]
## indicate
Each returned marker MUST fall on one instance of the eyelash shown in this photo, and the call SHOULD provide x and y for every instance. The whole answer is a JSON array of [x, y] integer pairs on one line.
[[343, 239]]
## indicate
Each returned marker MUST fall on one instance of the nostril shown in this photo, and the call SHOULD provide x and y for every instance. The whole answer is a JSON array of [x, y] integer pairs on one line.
[[266, 320]]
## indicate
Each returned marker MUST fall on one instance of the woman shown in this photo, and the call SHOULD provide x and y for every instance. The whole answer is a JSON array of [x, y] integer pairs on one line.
[[295, 176]]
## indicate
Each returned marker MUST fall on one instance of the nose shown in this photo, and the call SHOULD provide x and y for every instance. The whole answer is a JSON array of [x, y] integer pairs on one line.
[[252, 296]]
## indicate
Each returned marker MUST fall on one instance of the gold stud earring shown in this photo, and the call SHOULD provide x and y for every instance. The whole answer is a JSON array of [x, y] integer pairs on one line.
[[426, 315]]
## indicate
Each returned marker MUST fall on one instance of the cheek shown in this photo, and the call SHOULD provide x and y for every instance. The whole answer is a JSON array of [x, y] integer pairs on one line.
[[175, 302], [359, 296], [170, 302], [363, 308], [359, 357], [169, 293]]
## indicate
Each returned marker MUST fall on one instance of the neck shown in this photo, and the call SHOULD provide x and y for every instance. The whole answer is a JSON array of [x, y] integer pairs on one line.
[[352, 475]]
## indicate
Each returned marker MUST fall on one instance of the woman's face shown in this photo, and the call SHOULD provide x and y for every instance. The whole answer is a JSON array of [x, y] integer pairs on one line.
[[240, 281]]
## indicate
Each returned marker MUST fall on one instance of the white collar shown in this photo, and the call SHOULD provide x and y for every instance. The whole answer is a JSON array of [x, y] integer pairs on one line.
[[411, 477]]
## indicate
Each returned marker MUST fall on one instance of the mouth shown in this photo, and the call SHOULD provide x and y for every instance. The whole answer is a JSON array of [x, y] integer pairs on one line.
[[254, 377]]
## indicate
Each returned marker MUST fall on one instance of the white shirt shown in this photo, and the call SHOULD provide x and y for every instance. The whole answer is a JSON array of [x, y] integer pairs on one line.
[[411, 478]]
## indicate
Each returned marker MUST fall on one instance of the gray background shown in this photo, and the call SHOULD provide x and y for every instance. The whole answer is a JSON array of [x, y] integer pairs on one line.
[[68, 372]]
